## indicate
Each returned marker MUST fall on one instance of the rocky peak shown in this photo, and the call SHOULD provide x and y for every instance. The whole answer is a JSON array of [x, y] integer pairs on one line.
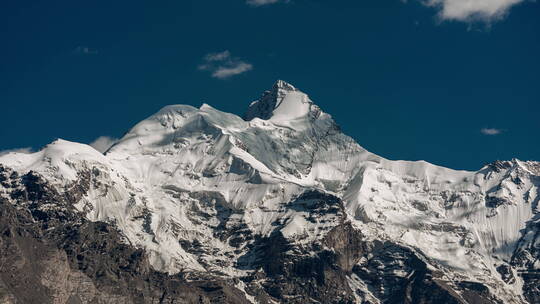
[[282, 102], [283, 85]]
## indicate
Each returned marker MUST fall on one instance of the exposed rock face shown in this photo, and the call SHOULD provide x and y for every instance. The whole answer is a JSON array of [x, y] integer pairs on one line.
[[49, 253], [526, 259], [200, 206]]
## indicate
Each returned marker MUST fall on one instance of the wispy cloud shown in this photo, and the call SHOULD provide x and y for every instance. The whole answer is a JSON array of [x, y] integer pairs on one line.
[[84, 50], [222, 65], [26, 150], [103, 143], [471, 10], [491, 131], [217, 56], [262, 2]]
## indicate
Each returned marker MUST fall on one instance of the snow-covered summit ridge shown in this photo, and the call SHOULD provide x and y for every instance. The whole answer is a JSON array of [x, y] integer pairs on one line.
[[283, 85], [283, 103]]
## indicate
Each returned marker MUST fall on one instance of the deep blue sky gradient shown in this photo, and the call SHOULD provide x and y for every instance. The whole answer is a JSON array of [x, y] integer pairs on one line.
[[404, 85]]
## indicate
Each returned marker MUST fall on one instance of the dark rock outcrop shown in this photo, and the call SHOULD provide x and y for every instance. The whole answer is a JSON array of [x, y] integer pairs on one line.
[[50, 254]]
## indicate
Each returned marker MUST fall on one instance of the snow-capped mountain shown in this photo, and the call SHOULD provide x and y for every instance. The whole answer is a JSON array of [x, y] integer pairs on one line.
[[194, 204]]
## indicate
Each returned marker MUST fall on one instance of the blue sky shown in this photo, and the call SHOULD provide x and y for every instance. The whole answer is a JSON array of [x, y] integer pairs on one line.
[[455, 86]]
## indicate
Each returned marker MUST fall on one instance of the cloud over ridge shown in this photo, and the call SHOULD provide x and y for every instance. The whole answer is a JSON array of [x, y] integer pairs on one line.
[[26, 150], [103, 143]]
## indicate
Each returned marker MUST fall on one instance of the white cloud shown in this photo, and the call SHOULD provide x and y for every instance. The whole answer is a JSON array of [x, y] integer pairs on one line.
[[217, 56], [26, 150], [103, 143], [490, 131], [261, 2], [222, 65], [471, 10], [239, 68]]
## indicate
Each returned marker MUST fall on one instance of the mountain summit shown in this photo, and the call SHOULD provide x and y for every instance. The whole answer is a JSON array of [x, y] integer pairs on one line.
[[197, 205], [284, 102], [283, 85]]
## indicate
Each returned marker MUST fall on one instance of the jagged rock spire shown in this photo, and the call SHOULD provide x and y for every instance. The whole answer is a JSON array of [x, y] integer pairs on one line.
[[283, 85]]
